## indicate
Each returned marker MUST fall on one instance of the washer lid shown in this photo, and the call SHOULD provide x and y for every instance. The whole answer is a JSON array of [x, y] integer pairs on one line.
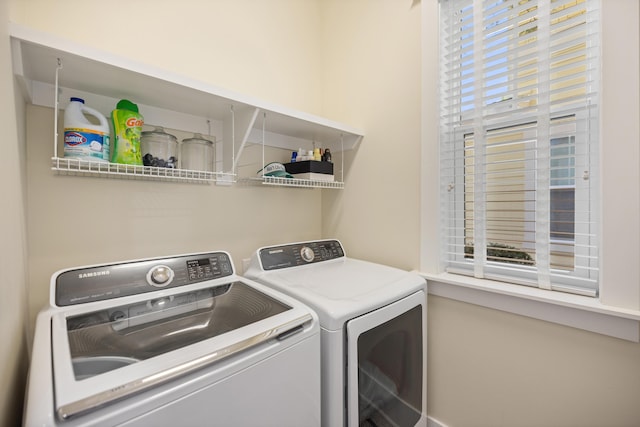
[[103, 352], [341, 289]]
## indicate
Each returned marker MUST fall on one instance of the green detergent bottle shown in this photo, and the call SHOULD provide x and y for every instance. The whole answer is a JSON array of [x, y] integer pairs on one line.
[[127, 129]]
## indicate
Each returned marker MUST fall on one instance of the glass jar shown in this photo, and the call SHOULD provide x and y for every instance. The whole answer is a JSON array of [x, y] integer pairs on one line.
[[198, 153], [159, 149]]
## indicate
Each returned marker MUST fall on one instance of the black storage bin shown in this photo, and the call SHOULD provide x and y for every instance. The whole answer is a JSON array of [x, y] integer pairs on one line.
[[307, 166]]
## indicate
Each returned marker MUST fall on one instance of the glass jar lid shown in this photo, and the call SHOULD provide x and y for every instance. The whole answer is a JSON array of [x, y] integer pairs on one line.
[[198, 138], [158, 132]]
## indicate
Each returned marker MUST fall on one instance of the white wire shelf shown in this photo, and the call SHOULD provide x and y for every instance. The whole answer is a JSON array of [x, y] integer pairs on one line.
[[293, 182], [79, 167]]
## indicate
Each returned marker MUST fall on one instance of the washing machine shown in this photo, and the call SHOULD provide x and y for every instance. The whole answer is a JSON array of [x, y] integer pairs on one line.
[[172, 341], [373, 329]]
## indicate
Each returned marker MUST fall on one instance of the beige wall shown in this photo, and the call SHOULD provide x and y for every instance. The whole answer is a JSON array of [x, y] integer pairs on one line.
[[372, 57], [265, 49], [13, 312], [491, 368], [357, 61]]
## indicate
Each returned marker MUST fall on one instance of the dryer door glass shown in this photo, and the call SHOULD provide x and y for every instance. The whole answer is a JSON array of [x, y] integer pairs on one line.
[[390, 366], [108, 339]]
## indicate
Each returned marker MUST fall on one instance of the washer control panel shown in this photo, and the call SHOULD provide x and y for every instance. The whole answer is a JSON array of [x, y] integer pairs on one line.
[[82, 285], [296, 254]]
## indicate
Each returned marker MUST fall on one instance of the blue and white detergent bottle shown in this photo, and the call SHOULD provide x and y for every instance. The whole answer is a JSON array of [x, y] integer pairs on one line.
[[82, 138]]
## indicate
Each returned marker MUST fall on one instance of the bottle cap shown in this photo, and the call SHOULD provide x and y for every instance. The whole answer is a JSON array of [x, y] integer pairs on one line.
[[125, 104]]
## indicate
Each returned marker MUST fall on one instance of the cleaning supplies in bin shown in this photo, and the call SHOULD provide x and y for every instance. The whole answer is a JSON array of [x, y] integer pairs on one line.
[[310, 167], [317, 154], [326, 156]]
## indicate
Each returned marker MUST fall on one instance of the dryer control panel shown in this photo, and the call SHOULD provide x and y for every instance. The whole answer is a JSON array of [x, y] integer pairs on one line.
[[296, 254], [102, 282]]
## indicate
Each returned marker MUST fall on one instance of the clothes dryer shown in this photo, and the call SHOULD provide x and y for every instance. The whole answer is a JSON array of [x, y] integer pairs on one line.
[[173, 341], [373, 328]]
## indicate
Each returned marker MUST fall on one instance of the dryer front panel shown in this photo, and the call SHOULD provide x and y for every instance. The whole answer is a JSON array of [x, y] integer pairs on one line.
[[387, 365]]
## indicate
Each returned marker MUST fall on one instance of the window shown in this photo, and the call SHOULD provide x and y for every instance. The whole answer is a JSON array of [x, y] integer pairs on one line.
[[519, 139], [563, 188]]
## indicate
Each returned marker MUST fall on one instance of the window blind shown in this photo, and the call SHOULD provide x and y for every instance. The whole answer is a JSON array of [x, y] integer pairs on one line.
[[519, 141]]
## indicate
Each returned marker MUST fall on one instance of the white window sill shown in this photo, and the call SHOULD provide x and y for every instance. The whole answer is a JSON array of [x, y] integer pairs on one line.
[[565, 309]]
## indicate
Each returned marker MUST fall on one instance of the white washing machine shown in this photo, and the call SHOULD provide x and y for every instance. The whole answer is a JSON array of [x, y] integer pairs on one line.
[[373, 323], [174, 341]]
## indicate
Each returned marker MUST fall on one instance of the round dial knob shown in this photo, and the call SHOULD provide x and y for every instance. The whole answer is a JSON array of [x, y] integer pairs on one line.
[[160, 275], [307, 253]]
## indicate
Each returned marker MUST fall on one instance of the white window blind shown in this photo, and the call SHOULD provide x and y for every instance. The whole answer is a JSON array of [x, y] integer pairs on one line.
[[519, 141]]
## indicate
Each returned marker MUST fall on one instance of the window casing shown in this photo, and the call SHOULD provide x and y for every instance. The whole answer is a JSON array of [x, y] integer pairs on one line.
[[519, 138]]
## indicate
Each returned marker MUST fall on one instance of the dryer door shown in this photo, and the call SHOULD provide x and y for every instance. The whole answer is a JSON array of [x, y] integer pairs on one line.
[[387, 365]]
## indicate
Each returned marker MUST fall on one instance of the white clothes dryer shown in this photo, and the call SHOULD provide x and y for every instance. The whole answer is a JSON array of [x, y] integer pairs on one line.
[[174, 341], [373, 328]]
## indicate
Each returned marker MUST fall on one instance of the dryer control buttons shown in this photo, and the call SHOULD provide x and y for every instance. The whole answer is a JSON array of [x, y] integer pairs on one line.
[[307, 254], [160, 276]]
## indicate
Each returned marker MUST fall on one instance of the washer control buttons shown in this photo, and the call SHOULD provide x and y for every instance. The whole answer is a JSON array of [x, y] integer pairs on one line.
[[307, 253], [160, 276]]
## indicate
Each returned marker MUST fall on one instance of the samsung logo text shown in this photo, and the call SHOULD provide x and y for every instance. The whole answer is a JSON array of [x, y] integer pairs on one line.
[[94, 274]]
